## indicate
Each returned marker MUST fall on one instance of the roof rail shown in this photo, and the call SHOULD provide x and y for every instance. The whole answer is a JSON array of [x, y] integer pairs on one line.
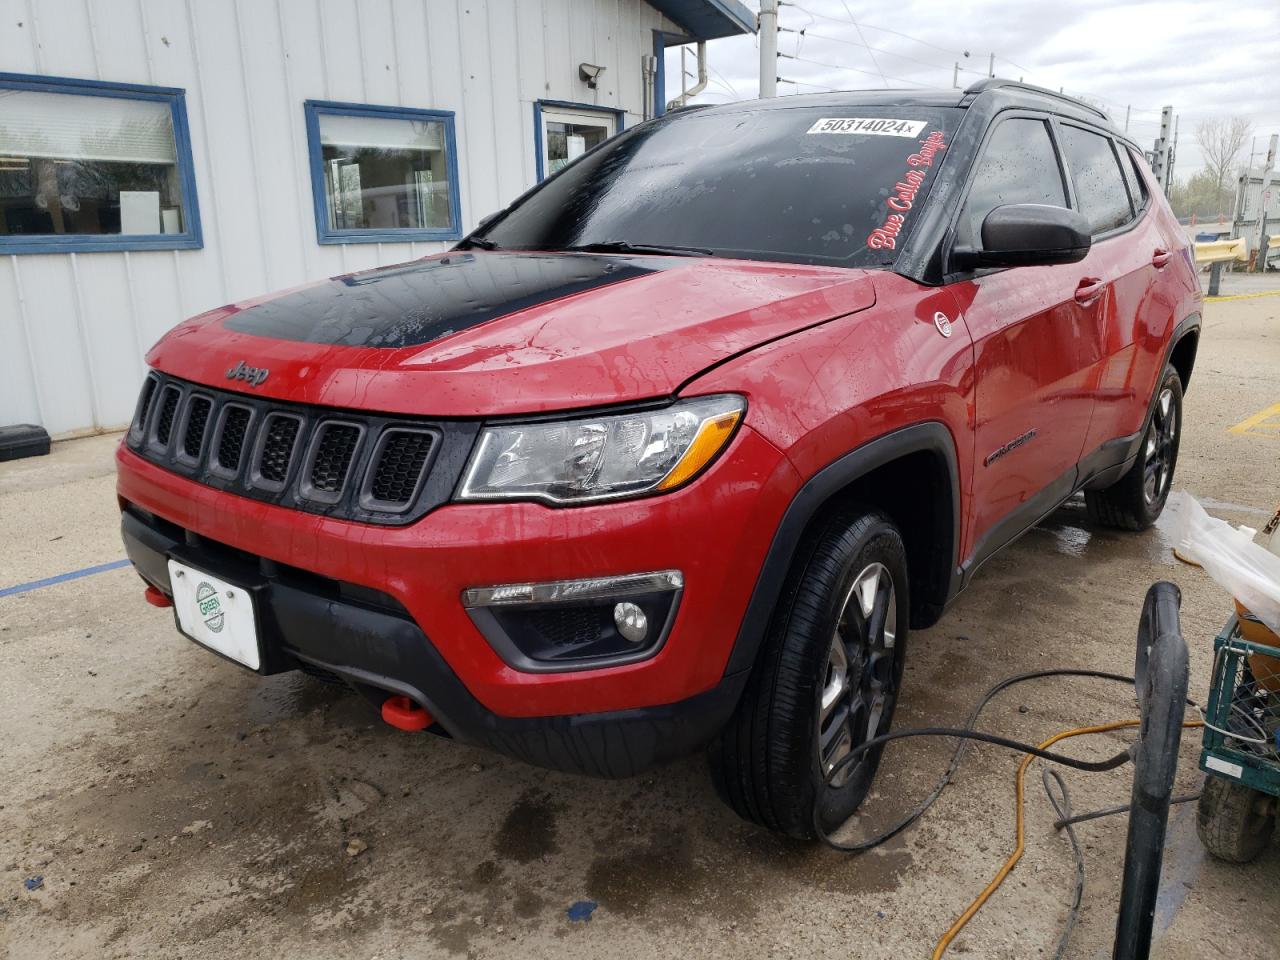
[[995, 83]]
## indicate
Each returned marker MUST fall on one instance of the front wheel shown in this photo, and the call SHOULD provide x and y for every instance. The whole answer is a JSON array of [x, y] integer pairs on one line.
[[1135, 501], [825, 683]]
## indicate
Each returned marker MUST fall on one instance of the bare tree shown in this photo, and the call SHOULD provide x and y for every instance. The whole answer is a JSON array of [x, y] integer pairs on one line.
[[1220, 141]]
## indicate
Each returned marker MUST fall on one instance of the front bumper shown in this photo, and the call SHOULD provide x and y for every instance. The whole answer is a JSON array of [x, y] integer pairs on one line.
[[423, 643]]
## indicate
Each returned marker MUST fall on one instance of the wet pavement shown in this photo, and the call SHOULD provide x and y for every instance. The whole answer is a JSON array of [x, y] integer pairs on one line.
[[174, 805]]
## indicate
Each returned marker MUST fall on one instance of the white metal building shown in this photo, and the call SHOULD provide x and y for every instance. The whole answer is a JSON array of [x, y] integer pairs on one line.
[[162, 157]]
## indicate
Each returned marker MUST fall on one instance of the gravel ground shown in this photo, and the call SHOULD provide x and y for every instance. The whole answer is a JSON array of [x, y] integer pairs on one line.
[[177, 806]]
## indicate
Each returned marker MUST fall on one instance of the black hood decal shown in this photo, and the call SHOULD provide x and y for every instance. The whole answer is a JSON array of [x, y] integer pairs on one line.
[[416, 303]]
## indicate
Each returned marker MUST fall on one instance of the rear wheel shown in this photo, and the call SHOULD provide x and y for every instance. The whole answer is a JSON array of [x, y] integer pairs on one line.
[[1235, 822], [1135, 501], [826, 681]]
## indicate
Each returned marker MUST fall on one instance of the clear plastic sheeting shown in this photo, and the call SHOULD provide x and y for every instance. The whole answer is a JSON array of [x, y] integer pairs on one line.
[[1251, 573]]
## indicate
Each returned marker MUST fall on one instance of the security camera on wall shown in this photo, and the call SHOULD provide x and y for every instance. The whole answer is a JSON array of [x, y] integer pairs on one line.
[[590, 73]]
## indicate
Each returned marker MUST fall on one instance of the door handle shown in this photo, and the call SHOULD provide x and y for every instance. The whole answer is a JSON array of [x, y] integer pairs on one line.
[[1089, 290], [1160, 258]]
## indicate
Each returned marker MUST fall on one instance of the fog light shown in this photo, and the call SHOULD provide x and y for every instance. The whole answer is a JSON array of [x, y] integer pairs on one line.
[[631, 621]]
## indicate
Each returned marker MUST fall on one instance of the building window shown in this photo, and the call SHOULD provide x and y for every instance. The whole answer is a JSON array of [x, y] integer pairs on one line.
[[90, 166], [382, 173], [565, 131]]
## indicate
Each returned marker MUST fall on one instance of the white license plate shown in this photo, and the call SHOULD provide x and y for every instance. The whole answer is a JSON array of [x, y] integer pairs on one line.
[[215, 614]]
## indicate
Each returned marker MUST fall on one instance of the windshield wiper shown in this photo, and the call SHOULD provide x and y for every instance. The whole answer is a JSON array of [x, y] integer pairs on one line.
[[484, 243], [626, 246]]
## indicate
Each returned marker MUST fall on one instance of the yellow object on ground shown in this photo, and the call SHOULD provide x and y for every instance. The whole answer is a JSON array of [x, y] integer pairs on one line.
[[1020, 845]]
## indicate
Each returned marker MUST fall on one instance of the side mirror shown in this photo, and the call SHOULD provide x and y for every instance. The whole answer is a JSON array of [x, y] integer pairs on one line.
[[1027, 235]]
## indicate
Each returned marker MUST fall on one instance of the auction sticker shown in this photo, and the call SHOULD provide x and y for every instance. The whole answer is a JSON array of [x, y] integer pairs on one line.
[[876, 126]]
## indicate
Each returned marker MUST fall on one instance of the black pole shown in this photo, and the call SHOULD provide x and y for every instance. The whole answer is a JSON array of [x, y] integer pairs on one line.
[[1215, 278], [1162, 695]]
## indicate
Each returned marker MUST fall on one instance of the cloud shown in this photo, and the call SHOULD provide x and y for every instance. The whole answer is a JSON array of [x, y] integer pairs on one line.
[[1134, 55]]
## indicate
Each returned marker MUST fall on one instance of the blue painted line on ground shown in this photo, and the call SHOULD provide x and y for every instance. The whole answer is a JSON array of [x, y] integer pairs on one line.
[[62, 578]]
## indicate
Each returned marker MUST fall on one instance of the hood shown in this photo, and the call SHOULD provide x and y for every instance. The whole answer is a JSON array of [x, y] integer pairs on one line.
[[495, 333]]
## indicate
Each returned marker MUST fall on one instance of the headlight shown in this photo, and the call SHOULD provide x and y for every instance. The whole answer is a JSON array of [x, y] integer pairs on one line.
[[601, 458]]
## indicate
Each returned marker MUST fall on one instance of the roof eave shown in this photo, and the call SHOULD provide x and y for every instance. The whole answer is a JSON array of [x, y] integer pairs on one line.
[[707, 19]]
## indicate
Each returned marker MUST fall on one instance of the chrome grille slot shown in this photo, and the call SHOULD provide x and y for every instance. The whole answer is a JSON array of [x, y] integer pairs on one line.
[[399, 463], [332, 452], [144, 407], [168, 411], [198, 409], [231, 436], [279, 439]]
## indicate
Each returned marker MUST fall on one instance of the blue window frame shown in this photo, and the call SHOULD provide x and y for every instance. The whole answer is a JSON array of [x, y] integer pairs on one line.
[[541, 107], [87, 165], [382, 174]]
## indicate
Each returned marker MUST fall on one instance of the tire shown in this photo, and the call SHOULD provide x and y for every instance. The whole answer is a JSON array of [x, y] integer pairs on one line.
[[796, 716], [1235, 822], [1135, 501]]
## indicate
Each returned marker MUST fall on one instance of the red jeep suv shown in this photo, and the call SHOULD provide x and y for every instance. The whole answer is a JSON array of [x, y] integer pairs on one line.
[[673, 450]]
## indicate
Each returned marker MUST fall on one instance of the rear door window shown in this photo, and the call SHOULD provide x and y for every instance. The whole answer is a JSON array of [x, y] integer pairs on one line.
[[1019, 165], [1100, 187]]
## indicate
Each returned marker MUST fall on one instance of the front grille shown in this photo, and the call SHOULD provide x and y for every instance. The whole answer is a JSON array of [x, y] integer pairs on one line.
[[277, 447], [168, 410], [334, 450], [231, 440], [197, 421], [365, 467], [402, 454]]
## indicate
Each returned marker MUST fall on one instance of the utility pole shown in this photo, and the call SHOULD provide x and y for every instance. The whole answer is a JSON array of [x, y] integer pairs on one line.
[[991, 65], [955, 76], [1160, 162], [768, 48], [1126, 117], [1173, 159], [1265, 202]]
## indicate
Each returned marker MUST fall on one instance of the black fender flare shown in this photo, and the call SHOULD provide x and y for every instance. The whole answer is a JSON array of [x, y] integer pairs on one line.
[[929, 437]]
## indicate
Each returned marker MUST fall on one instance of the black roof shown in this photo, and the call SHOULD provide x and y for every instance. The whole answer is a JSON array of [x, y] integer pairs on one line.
[[994, 93]]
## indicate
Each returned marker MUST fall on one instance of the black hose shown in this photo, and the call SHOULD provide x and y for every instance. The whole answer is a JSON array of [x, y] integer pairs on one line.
[[964, 735], [1063, 810]]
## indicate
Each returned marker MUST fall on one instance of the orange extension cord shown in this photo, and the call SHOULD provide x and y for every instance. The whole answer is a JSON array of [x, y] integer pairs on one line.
[[1009, 864]]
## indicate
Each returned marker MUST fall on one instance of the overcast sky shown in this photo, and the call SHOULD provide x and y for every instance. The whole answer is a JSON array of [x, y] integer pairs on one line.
[[1205, 59]]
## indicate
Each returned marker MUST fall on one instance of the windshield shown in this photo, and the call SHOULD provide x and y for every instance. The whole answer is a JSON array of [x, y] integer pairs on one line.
[[835, 185]]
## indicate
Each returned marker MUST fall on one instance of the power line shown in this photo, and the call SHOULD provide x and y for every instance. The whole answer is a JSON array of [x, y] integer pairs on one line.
[[841, 66], [888, 53], [899, 33], [874, 62]]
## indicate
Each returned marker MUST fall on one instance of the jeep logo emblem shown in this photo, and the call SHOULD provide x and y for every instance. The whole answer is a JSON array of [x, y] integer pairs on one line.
[[254, 376]]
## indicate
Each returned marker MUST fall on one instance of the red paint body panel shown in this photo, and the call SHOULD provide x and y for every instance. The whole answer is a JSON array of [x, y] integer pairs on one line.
[[736, 506], [632, 340]]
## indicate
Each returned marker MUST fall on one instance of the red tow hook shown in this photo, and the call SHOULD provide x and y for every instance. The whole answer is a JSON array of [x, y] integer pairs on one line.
[[403, 714], [156, 598]]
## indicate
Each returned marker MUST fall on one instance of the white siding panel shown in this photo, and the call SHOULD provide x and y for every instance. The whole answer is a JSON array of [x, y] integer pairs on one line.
[[19, 399], [48, 303], [246, 67], [113, 334]]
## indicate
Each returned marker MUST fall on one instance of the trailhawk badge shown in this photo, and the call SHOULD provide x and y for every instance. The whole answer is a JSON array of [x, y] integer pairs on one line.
[[210, 607]]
